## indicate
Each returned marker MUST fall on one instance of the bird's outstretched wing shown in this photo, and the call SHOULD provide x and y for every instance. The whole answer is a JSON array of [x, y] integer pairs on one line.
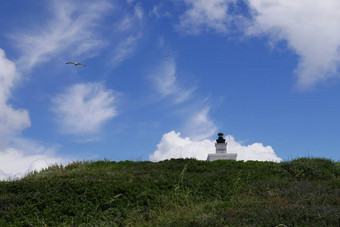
[[75, 64]]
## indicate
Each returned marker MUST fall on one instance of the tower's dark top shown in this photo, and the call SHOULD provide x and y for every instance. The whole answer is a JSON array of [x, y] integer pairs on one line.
[[220, 138]]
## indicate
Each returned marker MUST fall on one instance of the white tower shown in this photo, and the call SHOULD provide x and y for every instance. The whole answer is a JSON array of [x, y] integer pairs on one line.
[[221, 150]]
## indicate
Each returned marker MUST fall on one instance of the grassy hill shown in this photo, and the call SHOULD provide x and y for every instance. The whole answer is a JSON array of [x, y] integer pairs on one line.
[[177, 192]]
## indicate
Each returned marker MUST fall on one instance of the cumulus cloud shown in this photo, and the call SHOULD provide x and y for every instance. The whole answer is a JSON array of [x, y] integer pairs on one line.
[[310, 29], [164, 79], [25, 156], [83, 108], [172, 145], [11, 121], [255, 151], [17, 156], [69, 31]]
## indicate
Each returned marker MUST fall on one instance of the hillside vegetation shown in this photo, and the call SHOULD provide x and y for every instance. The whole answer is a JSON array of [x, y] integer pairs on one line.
[[176, 192]]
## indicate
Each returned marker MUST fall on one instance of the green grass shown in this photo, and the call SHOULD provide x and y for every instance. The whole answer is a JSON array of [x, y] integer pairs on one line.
[[177, 192]]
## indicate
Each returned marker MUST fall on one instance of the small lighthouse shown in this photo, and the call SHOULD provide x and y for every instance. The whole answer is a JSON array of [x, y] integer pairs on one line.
[[221, 150]]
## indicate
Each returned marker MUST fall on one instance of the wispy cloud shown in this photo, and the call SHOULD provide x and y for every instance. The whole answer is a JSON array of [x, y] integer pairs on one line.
[[199, 126], [71, 31], [206, 15], [131, 21], [131, 24], [83, 108], [159, 11], [310, 29], [76, 32], [125, 24], [173, 145], [139, 12], [125, 49], [165, 80]]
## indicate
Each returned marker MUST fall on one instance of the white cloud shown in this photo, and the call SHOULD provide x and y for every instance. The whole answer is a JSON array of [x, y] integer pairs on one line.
[[206, 14], [155, 11], [158, 11], [70, 31], [25, 156], [125, 49], [172, 145], [73, 31], [139, 13], [132, 25], [125, 24], [11, 121], [17, 156], [83, 108], [165, 81], [310, 29], [255, 151], [199, 126], [130, 22]]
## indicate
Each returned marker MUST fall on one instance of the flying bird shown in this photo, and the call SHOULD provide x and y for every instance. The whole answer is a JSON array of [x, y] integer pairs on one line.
[[75, 64], [167, 55]]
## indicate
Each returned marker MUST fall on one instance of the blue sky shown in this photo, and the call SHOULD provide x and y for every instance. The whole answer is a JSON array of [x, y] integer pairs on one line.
[[162, 78]]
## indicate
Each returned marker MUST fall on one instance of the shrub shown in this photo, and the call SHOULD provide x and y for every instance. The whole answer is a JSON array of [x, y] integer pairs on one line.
[[310, 169]]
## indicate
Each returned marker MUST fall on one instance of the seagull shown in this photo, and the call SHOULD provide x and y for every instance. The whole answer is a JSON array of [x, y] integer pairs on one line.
[[75, 64]]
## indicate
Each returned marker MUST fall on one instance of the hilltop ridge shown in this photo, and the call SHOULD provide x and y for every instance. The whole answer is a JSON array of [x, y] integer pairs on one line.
[[176, 192]]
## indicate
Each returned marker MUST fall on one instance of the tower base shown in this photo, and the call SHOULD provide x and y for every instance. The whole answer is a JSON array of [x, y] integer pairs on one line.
[[230, 156]]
